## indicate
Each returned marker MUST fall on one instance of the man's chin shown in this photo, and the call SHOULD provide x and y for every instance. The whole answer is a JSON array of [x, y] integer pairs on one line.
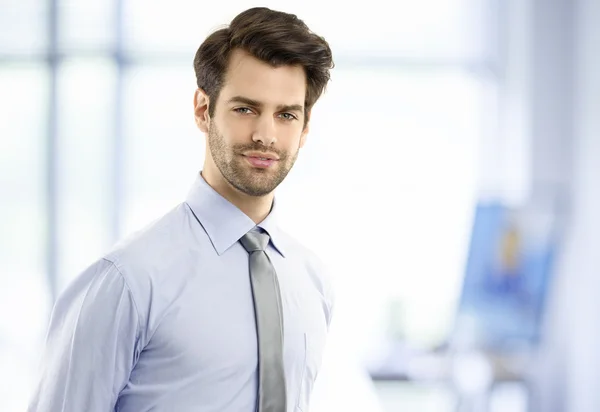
[[255, 192], [257, 189], [255, 181]]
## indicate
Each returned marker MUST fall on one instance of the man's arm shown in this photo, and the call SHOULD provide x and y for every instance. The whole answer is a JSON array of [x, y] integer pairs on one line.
[[91, 346]]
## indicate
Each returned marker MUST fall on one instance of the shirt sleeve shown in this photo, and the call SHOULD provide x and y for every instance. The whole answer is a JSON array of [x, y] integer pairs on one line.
[[91, 345]]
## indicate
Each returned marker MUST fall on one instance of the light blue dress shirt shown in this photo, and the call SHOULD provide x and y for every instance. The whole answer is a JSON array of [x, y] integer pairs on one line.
[[165, 321]]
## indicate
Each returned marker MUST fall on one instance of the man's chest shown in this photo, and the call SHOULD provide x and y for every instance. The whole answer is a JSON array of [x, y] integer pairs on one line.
[[207, 329]]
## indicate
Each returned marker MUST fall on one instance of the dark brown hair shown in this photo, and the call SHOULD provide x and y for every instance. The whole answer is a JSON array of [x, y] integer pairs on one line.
[[275, 37]]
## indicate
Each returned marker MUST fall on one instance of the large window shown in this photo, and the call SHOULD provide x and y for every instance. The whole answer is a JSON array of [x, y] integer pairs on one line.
[[98, 139], [24, 298]]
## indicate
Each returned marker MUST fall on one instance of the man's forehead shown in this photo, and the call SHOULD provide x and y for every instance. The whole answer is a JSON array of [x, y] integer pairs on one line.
[[257, 80]]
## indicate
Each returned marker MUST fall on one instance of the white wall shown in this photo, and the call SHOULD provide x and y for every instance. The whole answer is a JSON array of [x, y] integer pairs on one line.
[[582, 268], [554, 76], [569, 367]]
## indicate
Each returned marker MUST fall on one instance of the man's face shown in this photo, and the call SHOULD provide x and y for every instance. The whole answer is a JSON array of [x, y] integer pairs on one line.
[[259, 115]]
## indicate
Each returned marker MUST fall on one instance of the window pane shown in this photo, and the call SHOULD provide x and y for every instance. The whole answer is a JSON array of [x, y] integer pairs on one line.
[[24, 300], [86, 25], [85, 140], [430, 29], [163, 147], [24, 26]]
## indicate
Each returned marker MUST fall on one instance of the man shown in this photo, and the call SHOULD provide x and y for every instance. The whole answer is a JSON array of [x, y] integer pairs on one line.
[[212, 307]]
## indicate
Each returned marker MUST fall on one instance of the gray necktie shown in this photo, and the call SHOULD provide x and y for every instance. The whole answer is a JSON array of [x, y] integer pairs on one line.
[[269, 324]]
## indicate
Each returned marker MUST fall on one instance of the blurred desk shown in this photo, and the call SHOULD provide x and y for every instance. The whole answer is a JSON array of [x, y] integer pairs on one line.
[[444, 381]]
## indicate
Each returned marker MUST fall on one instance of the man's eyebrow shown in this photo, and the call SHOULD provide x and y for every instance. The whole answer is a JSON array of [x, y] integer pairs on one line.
[[290, 108], [256, 103]]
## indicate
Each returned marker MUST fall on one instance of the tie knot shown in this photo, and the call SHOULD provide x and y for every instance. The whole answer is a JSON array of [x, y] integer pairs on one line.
[[254, 241]]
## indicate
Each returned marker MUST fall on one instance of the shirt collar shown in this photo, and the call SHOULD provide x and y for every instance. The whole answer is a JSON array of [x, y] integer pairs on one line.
[[224, 223]]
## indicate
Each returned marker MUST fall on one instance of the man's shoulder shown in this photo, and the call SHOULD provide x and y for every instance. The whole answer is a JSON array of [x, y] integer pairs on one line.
[[316, 267], [300, 249], [150, 246]]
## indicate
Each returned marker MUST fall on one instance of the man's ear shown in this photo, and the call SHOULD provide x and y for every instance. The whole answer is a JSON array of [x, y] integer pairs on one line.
[[201, 102]]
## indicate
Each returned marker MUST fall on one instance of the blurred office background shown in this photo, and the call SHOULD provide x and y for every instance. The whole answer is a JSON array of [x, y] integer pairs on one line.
[[446, 122]]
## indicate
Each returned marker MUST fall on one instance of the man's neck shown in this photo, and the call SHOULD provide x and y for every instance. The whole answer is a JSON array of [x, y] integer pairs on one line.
[[255, 207]]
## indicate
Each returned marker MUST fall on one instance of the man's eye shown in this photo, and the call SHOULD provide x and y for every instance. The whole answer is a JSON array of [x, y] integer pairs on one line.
[[288, 116], [242, 110]]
